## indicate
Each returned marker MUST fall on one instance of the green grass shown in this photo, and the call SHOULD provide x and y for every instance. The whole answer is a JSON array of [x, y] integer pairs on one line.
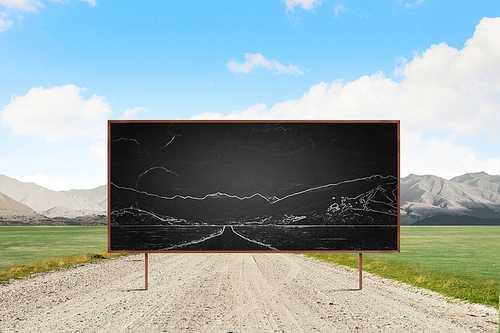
[[458, 261], [462, 262], [29, 249]]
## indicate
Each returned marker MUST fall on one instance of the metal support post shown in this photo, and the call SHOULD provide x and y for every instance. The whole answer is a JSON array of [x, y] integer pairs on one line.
[[360, 271], [146, 271]]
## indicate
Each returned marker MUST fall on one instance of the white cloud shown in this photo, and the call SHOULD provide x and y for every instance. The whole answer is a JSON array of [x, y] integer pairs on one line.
[[4, 23], [25, 5], [57, 113], [255, 60], [258, 111], [99, 150], [442, 90], [339, 9], [444, 158], [304, 4], [28, 5], [132, 113], [58, 184], [415, 3], [90, 2]]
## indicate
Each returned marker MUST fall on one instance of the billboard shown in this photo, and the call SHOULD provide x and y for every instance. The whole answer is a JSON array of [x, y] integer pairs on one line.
[[253, 186]]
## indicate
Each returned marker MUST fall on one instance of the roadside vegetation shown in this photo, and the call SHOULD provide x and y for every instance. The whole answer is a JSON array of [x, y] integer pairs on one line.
[[51, 264], [457, 261]]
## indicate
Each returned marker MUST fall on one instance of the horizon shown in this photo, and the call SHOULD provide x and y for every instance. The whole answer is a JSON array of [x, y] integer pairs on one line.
[[106, 184], [70, 66]]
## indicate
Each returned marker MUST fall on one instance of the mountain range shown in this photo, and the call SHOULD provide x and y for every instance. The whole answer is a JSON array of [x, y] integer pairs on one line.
[[17, 196], [11, 206], [474, 195], [424, 199], [368, 200]]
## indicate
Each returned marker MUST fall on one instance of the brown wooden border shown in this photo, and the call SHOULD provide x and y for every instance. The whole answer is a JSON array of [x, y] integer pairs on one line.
[[398, 250]]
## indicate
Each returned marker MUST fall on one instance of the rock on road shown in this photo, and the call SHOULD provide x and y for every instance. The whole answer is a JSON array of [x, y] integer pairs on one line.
[[222, 292]]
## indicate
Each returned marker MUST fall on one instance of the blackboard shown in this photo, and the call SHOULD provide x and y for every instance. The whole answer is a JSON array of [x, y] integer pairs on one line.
[[253, 186]]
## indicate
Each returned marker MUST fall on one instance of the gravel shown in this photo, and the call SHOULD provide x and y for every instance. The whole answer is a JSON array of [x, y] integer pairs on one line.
[[228, 293]]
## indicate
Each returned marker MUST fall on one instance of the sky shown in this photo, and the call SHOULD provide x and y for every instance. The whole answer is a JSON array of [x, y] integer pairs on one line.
[[68, 66]]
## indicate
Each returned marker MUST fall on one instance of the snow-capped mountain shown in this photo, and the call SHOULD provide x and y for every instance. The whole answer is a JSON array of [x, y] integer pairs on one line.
[[472, 194]]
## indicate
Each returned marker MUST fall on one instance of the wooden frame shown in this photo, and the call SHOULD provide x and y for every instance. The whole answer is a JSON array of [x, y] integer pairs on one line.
[[126, 190]]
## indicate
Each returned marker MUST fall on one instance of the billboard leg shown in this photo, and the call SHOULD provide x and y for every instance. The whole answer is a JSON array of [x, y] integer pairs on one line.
[[146, 270], [360, 271]]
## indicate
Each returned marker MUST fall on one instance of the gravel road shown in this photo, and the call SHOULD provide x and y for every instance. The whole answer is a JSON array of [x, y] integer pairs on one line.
[[227, 293]]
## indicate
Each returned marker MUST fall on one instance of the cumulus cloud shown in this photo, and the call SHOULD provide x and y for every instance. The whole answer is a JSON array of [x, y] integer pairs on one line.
[[4, 22], [58, 184], [90, 2], [339, 9], [304, 4], [415, 3], [28, 5], [99, 150], [256, 60], [258, 111], [443, 90], [57, 113], [444, 158], [25, 5], [133, 113]]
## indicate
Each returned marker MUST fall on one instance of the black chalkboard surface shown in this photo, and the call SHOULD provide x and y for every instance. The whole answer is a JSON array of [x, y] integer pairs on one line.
[[253, 186]]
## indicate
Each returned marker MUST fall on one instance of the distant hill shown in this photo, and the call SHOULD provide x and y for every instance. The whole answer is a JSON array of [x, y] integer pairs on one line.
[[40, 220], [98, 195], [9, 206], [472, 198], [59, 211], [480, 180], [53, 203], [457, 220], [474, 195]]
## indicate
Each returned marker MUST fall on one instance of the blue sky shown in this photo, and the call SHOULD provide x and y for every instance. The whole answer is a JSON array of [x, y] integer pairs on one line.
[[67, 66]]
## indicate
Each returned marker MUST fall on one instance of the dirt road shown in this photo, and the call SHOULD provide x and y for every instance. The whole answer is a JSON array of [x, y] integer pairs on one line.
[[227, 293]]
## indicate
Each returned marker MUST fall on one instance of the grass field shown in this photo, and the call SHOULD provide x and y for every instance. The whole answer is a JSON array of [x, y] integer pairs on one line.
[[28, 249], [458, 261], [461, 261], [22, 245]]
